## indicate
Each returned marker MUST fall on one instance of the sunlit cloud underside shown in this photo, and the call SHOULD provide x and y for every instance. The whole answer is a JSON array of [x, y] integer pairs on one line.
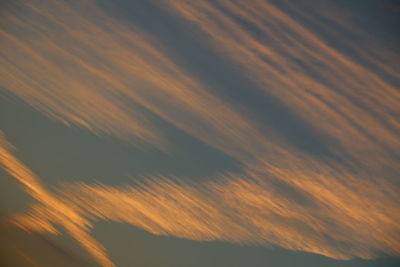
[[78, 65]]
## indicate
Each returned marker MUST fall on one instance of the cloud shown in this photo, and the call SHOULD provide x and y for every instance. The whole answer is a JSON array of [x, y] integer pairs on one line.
[[104, 76], [300, 209], [107, 76], [253, 208], [50, 208], [340, 97]]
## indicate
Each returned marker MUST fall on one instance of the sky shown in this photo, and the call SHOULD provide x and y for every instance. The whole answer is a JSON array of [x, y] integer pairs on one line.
[[199, 133]]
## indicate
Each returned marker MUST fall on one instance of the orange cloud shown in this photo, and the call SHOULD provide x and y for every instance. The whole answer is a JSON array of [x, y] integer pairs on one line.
[[253, 208], [314, 210], [96, 72], [51, 209], [338, 96], [62, 70]]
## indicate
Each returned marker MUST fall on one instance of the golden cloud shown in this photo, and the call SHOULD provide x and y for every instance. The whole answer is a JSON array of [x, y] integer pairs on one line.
[[104, 75]]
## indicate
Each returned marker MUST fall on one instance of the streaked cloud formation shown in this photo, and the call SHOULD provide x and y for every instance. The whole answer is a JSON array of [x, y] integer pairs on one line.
[[356, 218], [78, 65], [339, 96], [50, 208]]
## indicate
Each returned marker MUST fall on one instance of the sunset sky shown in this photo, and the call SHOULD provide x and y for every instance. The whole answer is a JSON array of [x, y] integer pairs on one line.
[[200, 133]]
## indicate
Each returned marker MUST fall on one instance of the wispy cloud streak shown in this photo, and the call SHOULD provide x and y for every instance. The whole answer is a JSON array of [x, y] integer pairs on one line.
[[50, 209], [77, 80], [340, 97], [94, 71], [252, 208], [293, 208]]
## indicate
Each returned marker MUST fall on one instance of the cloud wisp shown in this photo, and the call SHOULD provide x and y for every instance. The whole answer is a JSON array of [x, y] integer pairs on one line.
[[339, 96], [92, 70], [108, 88], [50, 208], [293, 208]]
